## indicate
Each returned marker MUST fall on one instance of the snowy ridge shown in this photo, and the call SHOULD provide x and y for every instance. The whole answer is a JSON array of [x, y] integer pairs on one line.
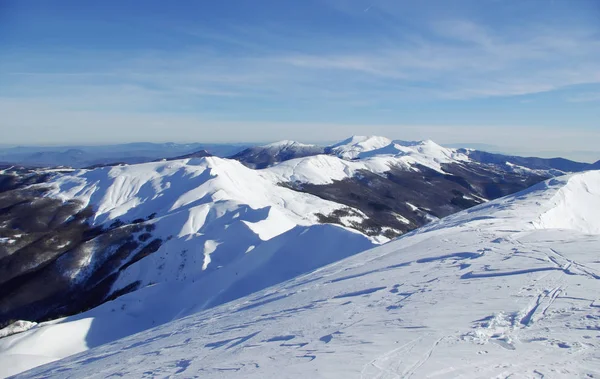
[[286, 144], [408, 154], [487, 292], [354, 146], [268, 155], [195, 184], [226, 231], [325, 169], [206, 202], [378, 154], [426, 153], [575, 206], [374, 154], [16, 327], [429, 154]]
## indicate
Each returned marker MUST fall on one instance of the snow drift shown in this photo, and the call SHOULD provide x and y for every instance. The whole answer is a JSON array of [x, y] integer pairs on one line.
[[575, 206]]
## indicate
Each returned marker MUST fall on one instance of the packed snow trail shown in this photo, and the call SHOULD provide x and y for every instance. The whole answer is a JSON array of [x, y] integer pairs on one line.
[[489, 292]]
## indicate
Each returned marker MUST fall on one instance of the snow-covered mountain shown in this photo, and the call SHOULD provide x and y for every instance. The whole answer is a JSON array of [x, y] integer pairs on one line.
[[175, 237], [402, 185], [506, 289], [533, 163], [268, 155], [88, 232], [428, 152], [355, 146], [87, 156]]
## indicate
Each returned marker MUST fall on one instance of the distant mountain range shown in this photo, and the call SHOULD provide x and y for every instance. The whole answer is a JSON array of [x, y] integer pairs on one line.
[[87, 156], [251, 155], [362, 146]]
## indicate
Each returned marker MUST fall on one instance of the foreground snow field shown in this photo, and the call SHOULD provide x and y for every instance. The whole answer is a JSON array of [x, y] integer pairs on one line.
[[510, 287]]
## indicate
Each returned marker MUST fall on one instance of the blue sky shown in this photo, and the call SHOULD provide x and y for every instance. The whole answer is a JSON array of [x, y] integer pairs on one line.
[[523, 75]]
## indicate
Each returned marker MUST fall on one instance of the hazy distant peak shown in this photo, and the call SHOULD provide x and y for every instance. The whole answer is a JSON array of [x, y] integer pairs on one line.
[[285, 144], [352, 147]]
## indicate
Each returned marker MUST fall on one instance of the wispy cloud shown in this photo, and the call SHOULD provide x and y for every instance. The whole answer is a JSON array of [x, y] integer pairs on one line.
[[584, 97], [102, 127], [449, 59], [387, 61], [466, 60]]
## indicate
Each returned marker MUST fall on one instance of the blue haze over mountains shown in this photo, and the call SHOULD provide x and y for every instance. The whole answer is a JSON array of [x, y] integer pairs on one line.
[[83, 156]]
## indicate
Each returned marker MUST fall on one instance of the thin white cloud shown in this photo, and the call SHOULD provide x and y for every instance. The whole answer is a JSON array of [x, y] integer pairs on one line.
[[459, 60], [190, 91], [471, 62], [112, 127], [584, 97]]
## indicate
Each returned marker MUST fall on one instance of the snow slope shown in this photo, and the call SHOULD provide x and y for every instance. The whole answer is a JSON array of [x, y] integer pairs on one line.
[[576, 206], [197, 192], [407, 154], [404, 154], [285, 144], [193, 185], [426, 153], [354, 146], [226, 231], [488, 292], [296, 162], [374, 154], [268, 155]]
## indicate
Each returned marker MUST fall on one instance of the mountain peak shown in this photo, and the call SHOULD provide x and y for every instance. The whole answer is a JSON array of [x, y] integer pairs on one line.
[[268, 155], [354, 146], [196, 154], [284, 144], [425, 142], [356, 139]]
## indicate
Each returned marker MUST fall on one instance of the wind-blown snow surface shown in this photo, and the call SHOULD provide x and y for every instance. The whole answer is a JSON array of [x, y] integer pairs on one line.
[[488, 292]]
